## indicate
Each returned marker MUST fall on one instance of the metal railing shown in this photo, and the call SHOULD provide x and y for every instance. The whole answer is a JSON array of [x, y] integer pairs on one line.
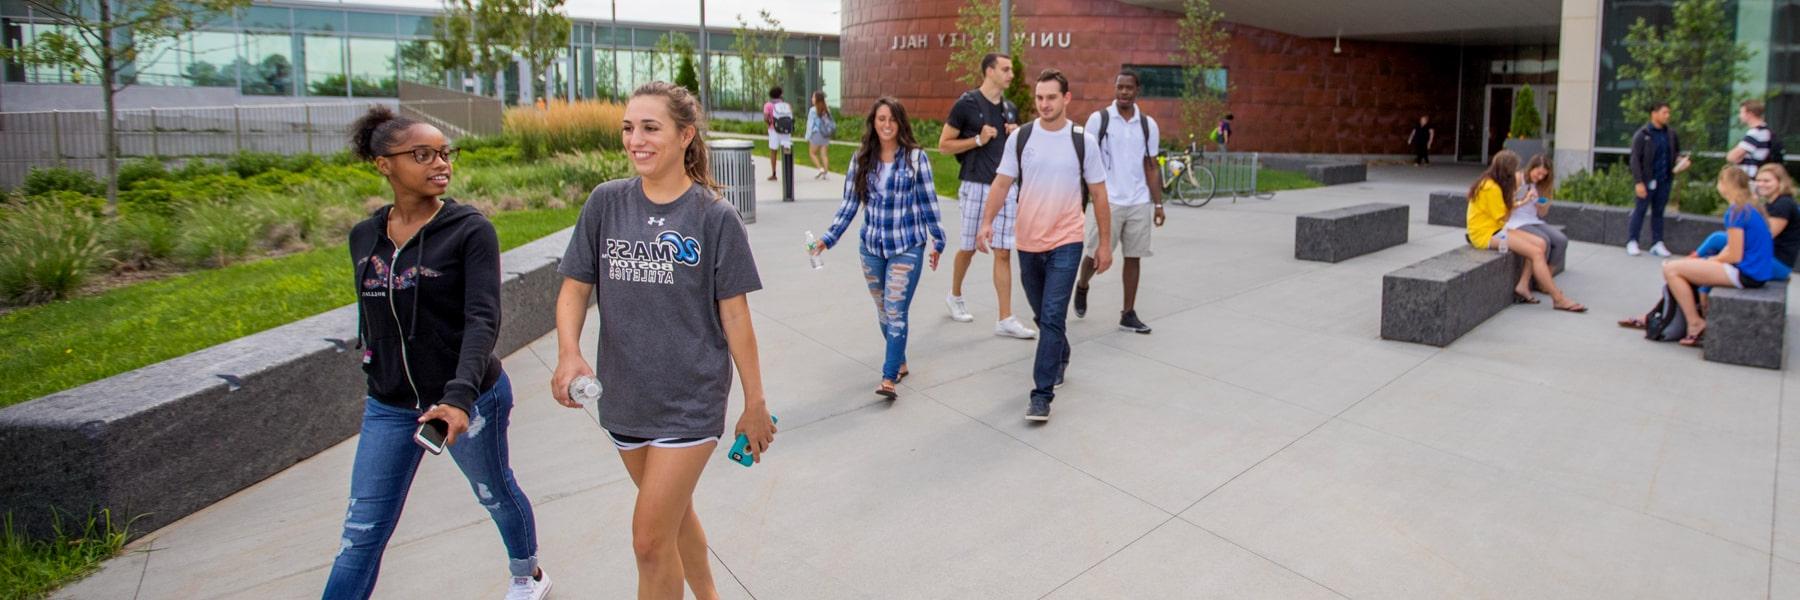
[[1234, 173], [456, 113]]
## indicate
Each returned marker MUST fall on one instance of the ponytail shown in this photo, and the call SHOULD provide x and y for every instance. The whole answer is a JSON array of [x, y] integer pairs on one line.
[[684, 109]]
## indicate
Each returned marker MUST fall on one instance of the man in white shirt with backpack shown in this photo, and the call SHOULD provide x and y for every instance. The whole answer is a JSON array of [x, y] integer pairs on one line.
[[1128, 147], [1058, 172]]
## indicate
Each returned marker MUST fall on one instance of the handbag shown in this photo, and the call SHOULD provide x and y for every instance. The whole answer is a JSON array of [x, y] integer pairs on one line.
[[1665, 322]]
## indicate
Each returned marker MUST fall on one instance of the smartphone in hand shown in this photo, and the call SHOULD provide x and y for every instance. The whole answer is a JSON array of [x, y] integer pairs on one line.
[[740, 450], [431, 435]]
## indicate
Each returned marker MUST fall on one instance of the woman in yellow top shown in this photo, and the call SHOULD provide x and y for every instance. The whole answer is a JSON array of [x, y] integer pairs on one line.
[[1489, 208]]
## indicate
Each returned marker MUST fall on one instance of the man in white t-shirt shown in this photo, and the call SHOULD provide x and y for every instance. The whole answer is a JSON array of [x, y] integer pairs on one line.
[[1053, 177], [1128, 145]]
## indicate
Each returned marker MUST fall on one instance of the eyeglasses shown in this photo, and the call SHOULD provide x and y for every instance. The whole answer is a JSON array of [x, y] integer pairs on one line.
[[424, 155]]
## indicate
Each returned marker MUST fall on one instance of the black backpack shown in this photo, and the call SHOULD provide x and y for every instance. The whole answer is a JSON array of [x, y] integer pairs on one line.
[[1665, 322], [1777, 151], [1008, 112], [1077, 134]]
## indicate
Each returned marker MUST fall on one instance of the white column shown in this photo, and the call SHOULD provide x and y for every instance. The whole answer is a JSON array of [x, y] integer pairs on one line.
[[1577, 86]]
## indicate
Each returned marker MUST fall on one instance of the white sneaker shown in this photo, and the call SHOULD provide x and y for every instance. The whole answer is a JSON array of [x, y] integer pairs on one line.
[[959, 312], [1659, 249], [1012, 328], [1631, 248], [526, 588]]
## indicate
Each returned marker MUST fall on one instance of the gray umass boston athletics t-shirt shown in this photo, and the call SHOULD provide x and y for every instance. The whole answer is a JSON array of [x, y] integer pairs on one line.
[[658, 273]]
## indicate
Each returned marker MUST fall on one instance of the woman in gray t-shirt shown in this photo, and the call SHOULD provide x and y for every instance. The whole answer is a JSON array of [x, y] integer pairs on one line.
[[668, 263]]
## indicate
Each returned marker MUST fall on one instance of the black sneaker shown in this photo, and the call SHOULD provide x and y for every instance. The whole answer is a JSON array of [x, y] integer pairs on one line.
[[1039, 411], [1080, 302], [1128, 321]]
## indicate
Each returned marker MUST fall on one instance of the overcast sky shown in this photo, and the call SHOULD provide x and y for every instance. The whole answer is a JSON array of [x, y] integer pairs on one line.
[[807, 16]]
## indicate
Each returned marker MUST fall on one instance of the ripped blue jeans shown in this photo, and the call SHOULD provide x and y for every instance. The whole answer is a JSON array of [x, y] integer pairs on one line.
[[892, 282], [387, 458]]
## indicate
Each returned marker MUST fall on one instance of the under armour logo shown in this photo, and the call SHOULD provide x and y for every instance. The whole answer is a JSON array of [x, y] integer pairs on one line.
[[655, 221]]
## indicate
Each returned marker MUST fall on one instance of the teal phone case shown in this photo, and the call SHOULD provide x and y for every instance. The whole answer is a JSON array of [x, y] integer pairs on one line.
[[739, 449]]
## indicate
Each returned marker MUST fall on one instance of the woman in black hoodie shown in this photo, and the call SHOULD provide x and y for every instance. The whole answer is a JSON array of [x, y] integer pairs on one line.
[[428, 294]]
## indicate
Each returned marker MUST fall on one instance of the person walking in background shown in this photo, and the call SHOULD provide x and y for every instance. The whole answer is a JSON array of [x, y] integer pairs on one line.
[[1655, 159], [1057, 171], [1421, 139], [1128, 141], [778, 115], [978, 127], [820, 127], [1758, 146], [890, 181], [674, 318], [428, 314], [1222, 134]]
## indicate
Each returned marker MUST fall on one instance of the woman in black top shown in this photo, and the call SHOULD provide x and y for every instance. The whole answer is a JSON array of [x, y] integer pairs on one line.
[[428, 294]]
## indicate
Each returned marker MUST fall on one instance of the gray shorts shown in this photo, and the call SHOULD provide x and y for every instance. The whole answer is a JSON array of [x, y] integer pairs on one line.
[[973, 197], [1131, 227]]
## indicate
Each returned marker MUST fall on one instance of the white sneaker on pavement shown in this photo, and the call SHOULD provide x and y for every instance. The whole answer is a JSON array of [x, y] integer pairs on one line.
[[959, 311], [1631, 248], [1011, 327], [526, 588], [1659, 249]]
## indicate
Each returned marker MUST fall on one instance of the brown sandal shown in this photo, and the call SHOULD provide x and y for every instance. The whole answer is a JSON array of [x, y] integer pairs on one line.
[[1634, 323], [886, 390], [1574, 307]]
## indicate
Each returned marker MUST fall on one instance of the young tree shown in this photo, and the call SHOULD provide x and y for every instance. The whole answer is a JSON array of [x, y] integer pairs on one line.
[[978, 32], [1203, 42], [543, 37], [1525, 121], [454, 35], [1693, 65], [99, 39], [669, 51], [686, 76], [758, 47]]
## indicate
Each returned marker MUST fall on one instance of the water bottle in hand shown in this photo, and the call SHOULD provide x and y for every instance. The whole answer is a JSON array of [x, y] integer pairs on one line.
[[586, 391], [818, 260], [1501, 239]]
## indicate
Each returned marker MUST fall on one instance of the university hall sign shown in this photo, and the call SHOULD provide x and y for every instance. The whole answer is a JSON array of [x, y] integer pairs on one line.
[[1045, 39]]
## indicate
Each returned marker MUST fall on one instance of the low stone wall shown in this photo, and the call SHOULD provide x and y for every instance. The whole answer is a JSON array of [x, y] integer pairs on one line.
[[1323, 169], [164, 441], [1747, 327], [1345, 233], [1591, 223]]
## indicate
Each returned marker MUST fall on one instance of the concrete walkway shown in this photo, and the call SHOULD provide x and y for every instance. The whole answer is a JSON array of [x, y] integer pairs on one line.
[[1262, 443]]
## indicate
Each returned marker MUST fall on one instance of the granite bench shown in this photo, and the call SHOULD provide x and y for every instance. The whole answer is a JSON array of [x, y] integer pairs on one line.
[[1747, 327], [1591, 223], [1437, 300], [1345, 233], [1338, 173], [161, 442]]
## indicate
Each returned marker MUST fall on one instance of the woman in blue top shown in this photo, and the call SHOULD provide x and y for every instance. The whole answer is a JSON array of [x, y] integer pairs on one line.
[[890, 178], [1747, 261]]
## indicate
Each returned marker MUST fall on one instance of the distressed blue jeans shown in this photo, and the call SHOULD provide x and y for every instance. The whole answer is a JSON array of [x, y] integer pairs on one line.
[[387, 459], [892, 282]]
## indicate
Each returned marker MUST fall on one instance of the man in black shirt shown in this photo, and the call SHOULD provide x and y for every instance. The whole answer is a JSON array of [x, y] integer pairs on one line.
[[1421, 139], [976, 132]]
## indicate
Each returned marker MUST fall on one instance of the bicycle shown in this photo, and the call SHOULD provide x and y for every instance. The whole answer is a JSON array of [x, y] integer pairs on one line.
[[1186, 178]]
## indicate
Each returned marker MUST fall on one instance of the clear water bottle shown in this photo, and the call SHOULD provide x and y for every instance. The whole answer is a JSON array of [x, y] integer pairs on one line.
[[1501, 239], [818, 260], [585, 390]]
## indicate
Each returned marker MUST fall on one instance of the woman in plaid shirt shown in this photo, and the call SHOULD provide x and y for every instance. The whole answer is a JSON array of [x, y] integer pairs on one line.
[[891, 178]]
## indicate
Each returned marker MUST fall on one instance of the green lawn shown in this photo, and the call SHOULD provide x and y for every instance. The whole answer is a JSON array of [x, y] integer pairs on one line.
[[58, 346], [31, 568]]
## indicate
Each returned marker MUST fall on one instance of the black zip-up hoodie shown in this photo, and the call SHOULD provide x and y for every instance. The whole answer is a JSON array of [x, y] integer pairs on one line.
[[430, 313]]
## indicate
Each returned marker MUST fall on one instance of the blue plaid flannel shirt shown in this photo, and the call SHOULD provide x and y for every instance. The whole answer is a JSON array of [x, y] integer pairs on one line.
[[900, 214]]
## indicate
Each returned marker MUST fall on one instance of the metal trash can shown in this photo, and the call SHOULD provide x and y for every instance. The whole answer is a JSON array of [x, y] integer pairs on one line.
[[733, 168]]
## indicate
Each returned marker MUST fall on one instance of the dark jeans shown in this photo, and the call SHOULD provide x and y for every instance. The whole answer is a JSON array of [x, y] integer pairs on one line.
[[1421, 155], [1656, 202], [1049, 280], [387, 458]]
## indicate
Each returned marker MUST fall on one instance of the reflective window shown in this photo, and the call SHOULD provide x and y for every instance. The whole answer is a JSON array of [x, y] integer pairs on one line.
[[268, 17], [324, 66], [372, 70], [1164, 81], [418, 62], [318, 20], [268, 69], [375, 23]]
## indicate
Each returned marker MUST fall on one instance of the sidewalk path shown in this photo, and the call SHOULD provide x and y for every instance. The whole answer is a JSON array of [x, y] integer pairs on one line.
[[1262, 443]]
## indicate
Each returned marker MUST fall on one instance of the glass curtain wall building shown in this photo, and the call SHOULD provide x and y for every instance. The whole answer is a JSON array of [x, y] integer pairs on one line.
[[359, 51]]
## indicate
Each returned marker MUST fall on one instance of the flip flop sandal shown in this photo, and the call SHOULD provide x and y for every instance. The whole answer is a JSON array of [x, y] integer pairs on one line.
[[1693, 341], [1574, 308], [1633, 323], [1517, 299], [887, 391], [901, 377]]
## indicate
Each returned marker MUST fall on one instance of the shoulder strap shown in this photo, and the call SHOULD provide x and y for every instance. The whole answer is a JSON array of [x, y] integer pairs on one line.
[[1077, 135], [1144, 121], [1023, 133], [1105, 119]]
